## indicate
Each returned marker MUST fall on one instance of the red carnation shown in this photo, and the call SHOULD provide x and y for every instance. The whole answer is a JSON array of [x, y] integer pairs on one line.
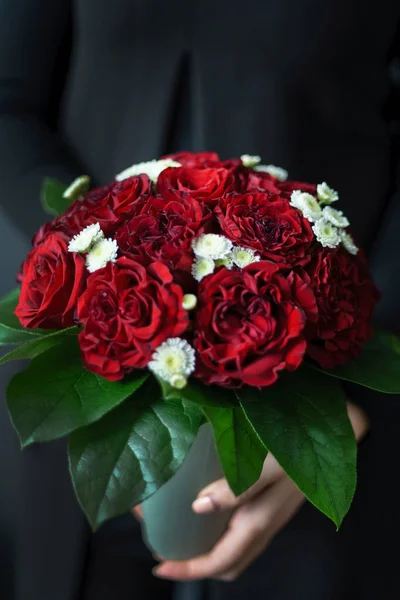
[[250, 324], [127, 311], [206, 185], [164, 230], [346, 297], [52, 280], [268, 225]]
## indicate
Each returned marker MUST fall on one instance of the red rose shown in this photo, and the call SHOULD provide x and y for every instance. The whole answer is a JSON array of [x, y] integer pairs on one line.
[[127, 311], [195, 159], [110, 206], [206, 185], [267, 224], [256, 181], [250, 324], [163, 230], [53, 278], [346, 297]]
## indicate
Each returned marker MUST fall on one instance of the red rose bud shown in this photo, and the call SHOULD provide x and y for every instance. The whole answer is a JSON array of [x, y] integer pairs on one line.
[[250, 324], [127, 311], [52, 280]]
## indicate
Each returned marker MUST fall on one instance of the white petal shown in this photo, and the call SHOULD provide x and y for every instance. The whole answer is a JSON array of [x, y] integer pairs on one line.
[[242, 257], [78, 187], [250, 160], [86, 239], [348, 242], [173, 361], [336, 217], [151, 168], [103, 252], [326, 233], [202, 267], [326, 194], [307, 204], [211, 245], [277, 172]]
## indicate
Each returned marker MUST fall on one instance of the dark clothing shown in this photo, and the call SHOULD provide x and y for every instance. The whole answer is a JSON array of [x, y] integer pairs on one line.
[[303, 84]]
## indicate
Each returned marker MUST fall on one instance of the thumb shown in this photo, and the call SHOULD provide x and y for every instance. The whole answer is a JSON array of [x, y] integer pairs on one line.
[[218, 495]]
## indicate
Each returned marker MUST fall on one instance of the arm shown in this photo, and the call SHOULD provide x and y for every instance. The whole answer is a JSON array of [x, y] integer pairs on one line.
[[33, 42]]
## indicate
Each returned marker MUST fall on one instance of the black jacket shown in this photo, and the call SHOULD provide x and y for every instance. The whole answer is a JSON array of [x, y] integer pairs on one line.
[[94, 86]]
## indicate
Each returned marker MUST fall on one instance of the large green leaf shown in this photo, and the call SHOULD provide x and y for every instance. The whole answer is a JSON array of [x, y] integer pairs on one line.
[[11, 330], [125, 457], [303, 421], [241, 451], [378, 366], [56, 394], [52, 198], [38, 345]]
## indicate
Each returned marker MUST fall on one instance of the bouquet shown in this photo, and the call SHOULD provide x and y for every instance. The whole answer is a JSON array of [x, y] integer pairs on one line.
[[194, 290]]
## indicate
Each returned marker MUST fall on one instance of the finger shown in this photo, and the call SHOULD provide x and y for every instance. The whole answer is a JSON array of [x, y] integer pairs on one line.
[[234, 544], [218, 495], [137, 512]]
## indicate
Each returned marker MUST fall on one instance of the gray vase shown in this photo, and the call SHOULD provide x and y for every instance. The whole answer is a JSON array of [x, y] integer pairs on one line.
[[170, 527]]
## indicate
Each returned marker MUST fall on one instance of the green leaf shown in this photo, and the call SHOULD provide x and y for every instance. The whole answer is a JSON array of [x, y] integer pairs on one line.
[[241, 451], [130, 453], [378, 366], [52, 197], [197, 392], [56, 394], [11, 330], [303, 421], [38, 345]]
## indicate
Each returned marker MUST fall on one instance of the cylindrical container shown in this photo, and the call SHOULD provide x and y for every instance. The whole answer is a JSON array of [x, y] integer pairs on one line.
[[170, 527]]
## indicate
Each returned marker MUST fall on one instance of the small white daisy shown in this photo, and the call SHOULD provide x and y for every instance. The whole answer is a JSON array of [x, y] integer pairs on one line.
[[243, 256], [173, 361], [336, 217], [326, 233], [189, 301], [348, 242], [151, 168], [211, 245], [307, 204], [225, 262], [277, 172], [202, 267], [326, 194], [88, 237], [103, 252], [250, 160], [78, 187]]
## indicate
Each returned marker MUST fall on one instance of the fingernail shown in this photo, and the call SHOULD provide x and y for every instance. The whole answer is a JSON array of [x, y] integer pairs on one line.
[[203, 505], [158, 572]]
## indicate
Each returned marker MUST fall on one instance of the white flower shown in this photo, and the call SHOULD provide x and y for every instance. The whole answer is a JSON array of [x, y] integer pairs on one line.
[[336, 217], [189, 301], [211, 245], [225, 262], [173, 361], [348, 242], [202, 267], [307, 204], [78, 187], [326, 194], [277, 172], [103, 252], [326, 233], [250, 160], [83, 241], [152, 169], [243, 256]]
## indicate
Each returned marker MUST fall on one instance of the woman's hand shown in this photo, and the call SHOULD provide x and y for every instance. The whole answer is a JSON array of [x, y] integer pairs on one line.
[[259, 515]]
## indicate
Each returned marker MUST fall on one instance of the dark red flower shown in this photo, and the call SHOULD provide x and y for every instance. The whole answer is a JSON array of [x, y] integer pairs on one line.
[[52, 281], [267, 224], [346, 297], [250, 324], [164, 230], [127, 311], [287, 187]]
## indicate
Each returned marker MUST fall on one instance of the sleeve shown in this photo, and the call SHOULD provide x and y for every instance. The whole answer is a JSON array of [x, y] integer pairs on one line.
[[33, 37]]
